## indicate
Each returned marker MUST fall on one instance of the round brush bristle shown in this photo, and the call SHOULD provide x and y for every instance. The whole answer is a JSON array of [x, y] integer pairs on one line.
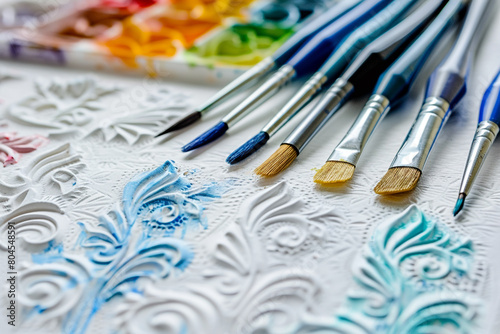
[[249, 148]]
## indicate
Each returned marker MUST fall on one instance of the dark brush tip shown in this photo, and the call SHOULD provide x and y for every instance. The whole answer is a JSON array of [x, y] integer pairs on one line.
[[182, 123], [249, 148], [208, 137], [460, 204]]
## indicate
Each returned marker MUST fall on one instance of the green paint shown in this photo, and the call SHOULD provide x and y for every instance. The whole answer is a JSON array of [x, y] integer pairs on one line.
[[240, 44]]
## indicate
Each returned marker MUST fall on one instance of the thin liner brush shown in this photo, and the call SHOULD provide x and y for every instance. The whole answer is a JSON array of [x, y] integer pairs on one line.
[[340, 59], [308, 59], [445, 89], [486, 133], [360, 76], [306, 31], [392, 88]]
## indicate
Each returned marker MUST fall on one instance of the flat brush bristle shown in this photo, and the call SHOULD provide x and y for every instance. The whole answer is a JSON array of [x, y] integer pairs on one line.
[[182, 123], [398, 180], [247, 149], [208, 137], [278, 162], [334, 172]]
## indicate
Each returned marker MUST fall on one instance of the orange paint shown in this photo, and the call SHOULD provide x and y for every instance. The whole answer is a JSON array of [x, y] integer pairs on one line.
[[161, 30]]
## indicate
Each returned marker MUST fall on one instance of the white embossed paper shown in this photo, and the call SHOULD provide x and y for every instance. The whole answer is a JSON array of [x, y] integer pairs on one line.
[[120, 232]]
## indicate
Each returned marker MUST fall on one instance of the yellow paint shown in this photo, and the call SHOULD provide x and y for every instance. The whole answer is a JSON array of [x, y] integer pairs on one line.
[[162, 30]]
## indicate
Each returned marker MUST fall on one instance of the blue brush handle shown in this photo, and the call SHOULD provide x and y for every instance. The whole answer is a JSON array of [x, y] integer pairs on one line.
[[367, 33], [313, 26], [449, 80], [491, 102], [313, 54], [397, 80]]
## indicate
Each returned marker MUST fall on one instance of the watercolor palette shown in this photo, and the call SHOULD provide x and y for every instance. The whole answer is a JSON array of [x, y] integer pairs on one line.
[[206, 41]]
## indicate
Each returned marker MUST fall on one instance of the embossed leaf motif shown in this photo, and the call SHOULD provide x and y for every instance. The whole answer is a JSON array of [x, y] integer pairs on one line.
[[85, 205], [54, 164], [290, 224], [277, 302], [37, 224], [14, 193], [262, 293], [105, 242], [57, 168], [148, 117], [286, 225], [61, 106], [162, 201], [188, 308], [11, 146], [389, 300], [153, 260], [53, 289], [118, 261]]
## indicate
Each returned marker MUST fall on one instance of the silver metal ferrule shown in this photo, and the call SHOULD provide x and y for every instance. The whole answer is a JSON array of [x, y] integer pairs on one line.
[[423, 134], [246, 80], [350, 148], [306, 92], [320, 114], [264, 92], [486, 133]]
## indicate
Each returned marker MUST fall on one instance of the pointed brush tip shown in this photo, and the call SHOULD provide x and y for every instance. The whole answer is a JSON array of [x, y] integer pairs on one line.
[[163, 133], [209, 136], [182, 123], [459, 205], [248, 148]]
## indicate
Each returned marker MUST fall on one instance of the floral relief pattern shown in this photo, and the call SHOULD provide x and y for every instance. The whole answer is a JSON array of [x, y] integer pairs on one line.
[[408, 280], [55, 169], [104, 233], [118, 261], [150, 115], [188, 308], [60, 106], [12, 146], [402, 281], [260, 291], [242, 292], [37, 225]]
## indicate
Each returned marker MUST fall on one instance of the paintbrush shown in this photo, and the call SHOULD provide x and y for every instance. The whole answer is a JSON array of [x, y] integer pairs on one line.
[[307, 60], [360, 75], [305, 32], [446, 88], [391, 89], [339, 61], [486, 133]]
